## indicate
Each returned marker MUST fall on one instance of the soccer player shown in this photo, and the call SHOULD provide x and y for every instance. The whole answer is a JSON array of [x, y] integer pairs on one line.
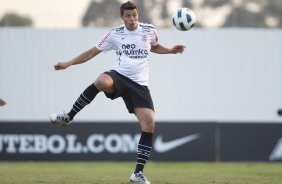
[[128, 78]]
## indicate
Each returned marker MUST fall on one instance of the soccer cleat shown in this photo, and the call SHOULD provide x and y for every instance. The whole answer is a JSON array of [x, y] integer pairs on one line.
[[60, 119], [139, 178]]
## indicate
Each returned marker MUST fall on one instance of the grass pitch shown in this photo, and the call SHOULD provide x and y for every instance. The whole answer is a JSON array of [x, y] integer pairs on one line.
[[156, 172]]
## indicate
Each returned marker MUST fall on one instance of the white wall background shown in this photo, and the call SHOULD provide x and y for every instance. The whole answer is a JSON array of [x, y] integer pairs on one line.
[[224, 75]]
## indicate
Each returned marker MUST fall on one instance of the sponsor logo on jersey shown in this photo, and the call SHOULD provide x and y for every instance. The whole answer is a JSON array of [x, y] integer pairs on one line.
[[120, 29], [131, 52], [104, 39]]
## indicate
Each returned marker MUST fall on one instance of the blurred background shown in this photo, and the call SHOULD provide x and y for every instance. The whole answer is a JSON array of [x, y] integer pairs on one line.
[[225, 87], [87, 13]]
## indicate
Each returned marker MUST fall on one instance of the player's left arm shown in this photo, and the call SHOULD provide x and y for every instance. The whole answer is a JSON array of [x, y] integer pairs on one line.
[[159, 49]]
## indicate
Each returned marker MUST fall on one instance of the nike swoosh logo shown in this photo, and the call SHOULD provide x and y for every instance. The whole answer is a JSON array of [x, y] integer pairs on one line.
[[162, 147], [277, 151]]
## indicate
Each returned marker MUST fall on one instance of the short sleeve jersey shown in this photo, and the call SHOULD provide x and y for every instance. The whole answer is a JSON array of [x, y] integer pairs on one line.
[[132, 49]]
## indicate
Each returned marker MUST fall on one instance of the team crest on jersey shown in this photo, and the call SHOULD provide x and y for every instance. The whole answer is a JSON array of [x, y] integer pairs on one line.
[[144, 37]]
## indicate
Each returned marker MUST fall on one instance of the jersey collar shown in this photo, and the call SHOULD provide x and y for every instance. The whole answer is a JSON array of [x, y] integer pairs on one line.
[[128, 31]]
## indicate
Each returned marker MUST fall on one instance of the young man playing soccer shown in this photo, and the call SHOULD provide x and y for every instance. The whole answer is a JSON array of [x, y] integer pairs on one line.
[[128, 79]]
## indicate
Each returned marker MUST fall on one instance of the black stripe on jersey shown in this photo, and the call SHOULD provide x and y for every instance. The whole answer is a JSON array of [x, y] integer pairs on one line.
[[147, 26]]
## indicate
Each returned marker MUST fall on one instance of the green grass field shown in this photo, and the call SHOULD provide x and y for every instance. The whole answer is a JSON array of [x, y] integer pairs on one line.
[[156, 172]]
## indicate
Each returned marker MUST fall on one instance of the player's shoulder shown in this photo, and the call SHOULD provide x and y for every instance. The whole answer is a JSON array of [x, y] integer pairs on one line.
[[118, 29], [146, 26]]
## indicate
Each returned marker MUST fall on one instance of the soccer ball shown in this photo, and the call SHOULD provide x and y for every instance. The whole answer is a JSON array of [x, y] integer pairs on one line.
[[184, 19]]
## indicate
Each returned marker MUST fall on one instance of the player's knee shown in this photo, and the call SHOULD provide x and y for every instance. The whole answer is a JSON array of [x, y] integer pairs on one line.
[[103, 82], [149, 125], [152, 126]]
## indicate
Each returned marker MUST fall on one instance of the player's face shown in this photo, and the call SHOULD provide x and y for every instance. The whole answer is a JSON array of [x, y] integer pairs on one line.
[[130, 19]]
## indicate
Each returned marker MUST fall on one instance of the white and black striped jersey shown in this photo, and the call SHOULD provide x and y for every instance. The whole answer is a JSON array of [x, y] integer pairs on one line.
[[132, 48]]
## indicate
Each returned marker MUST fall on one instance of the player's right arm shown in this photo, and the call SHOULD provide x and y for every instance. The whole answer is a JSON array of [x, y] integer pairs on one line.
[[85, 56]]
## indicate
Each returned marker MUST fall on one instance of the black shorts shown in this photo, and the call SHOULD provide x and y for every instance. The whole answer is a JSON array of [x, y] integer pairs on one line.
[[132, 93]]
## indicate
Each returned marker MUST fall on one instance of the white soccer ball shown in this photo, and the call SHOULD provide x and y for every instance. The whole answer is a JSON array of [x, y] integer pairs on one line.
[[184, 19]]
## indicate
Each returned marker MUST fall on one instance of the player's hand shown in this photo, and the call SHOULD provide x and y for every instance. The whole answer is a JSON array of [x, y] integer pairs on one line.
[[2, 102], [178, 49], [61, 66]]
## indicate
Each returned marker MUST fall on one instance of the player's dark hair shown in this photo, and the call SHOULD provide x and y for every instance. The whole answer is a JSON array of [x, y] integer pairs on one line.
[[127, 6]]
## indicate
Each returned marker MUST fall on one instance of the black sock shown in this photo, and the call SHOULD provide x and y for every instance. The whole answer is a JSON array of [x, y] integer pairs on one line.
[[144, 150], [84, 99]]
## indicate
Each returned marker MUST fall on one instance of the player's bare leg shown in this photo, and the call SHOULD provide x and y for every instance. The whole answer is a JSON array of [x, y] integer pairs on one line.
[[146, 119], [102, 83], [105, 83]]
